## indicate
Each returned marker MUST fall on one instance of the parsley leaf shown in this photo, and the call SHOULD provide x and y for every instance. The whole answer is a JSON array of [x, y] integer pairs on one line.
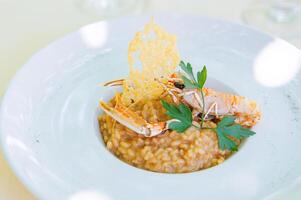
[[188, 70], [181, 113], [190, 81], [193, 84], [188, 84], [178, 126], [202, 76], [227, 127]]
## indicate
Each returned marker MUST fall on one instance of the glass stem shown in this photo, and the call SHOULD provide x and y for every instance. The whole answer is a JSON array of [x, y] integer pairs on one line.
[[282, 11]]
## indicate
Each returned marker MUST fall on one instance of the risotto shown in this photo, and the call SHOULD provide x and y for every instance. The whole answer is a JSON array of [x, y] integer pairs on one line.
[[167, 120], [170, 152]]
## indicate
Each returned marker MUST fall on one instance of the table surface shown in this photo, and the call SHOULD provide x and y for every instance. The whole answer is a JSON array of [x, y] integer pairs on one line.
[[27, 26]]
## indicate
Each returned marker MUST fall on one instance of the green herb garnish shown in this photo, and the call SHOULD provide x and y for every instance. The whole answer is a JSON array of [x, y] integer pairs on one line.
[[227, 127], [191, 83], [181, 113]]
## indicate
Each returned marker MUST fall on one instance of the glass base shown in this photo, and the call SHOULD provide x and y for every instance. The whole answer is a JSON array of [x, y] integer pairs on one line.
[[281, 21]]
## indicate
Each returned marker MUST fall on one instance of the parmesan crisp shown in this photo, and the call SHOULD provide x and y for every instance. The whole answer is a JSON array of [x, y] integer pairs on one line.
[[153, 57]]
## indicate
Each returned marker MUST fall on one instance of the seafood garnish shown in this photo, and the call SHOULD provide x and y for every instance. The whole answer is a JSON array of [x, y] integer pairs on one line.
[[184, 97], [133, 121], [217, 104]]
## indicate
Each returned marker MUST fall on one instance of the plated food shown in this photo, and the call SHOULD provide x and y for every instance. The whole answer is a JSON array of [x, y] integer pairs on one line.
[[49, 129], [166, 120]]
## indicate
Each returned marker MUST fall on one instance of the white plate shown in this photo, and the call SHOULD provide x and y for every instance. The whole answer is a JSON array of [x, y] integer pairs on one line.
[[50, 135]]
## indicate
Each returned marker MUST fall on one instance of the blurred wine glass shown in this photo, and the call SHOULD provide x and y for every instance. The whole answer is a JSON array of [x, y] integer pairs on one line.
[[110, 8], [278, 17]]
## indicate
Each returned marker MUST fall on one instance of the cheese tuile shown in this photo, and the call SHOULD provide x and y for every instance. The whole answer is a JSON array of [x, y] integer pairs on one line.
[[152, 56]]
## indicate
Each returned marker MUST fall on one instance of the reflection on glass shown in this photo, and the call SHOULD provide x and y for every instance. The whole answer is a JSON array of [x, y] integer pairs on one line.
[[279, 17], [110, 8]]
